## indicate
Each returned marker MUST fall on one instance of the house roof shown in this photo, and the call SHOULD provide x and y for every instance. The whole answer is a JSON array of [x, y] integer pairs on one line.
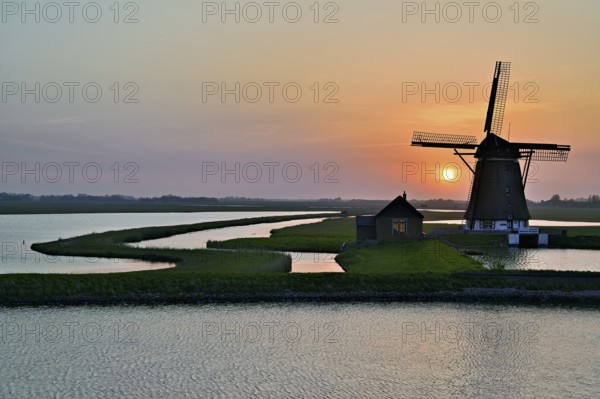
[[399, 208]]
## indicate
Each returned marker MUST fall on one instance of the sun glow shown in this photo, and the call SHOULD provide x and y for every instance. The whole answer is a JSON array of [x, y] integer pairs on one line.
[[450, 173]]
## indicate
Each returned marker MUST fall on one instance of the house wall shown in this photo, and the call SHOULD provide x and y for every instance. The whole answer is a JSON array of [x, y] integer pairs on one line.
[[414, 229], [364, 233]]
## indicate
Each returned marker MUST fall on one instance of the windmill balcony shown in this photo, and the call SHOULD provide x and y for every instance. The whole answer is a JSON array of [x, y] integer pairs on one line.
[[529, 230]]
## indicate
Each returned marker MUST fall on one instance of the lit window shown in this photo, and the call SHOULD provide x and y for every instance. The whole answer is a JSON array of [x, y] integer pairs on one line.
[[398, 226]]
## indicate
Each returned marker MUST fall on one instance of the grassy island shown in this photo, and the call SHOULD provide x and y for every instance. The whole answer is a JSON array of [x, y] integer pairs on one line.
[[246, 270]]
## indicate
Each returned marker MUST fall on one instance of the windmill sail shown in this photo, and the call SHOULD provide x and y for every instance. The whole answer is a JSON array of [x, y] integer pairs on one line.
[[497, 195], [544, 152], [423, 139], [495, 114]]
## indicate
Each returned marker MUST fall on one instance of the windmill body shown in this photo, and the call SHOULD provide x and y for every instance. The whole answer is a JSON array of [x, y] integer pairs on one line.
[[497, 196]]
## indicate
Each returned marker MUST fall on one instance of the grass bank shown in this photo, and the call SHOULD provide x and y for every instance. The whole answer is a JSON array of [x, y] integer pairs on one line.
[[429, 256], [329, 235], [566, 214], [433, 215], [421, 270], [325, 236], [170, 287]]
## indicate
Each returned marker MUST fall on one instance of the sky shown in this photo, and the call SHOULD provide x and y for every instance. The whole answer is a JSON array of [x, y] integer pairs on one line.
[[288, 99]]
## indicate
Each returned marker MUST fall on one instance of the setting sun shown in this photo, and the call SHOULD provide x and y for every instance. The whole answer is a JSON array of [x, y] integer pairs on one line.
[[450, 173]]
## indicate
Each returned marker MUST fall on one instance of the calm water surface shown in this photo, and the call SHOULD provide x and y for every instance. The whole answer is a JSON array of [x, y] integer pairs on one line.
[[18, 232], [300, 350], [314, 262], [541, 259]]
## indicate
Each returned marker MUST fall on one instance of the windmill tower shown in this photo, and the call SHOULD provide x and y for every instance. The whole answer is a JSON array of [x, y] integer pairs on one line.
[[497, 196]]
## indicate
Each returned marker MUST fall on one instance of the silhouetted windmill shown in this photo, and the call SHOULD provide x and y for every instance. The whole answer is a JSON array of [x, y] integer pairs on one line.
[[497, 198]]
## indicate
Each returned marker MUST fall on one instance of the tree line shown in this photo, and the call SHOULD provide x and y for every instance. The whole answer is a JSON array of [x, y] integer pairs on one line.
[[592, 201], [115, 198]]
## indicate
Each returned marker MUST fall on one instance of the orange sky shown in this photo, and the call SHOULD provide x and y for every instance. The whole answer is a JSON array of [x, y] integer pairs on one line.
[[372, 55]]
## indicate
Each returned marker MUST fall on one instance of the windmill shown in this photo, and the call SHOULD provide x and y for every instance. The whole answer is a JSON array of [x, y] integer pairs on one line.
[[497, 195]]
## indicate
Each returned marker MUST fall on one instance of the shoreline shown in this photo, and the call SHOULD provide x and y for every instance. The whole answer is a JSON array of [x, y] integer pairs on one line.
[[206, 277], [498, 296]]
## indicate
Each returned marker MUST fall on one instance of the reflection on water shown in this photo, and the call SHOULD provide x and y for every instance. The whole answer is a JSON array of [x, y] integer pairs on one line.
[[541, 259], [314, 262], [300, 350], [550, 223]]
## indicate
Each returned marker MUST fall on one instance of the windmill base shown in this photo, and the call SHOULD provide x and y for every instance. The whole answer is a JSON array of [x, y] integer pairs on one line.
[[528, 240], [498, 226]]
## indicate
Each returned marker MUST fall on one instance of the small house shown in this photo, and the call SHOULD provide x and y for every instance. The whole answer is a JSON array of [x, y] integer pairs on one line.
[[398, 221]]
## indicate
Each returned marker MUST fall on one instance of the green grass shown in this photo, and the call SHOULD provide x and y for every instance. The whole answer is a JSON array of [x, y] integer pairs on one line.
[[566, 214], [207, 275], [427, 227], [189, 286], [433, 215], [176, 286], [478, 240], [328, 236], [325, 236], [575, 231], [422, 256]]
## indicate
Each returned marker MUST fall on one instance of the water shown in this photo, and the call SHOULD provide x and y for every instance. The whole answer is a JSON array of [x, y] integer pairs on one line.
[[18, 232], [300, 350], [538, 258], [314, 262], [302, 262], [541, 259], [199, 239]]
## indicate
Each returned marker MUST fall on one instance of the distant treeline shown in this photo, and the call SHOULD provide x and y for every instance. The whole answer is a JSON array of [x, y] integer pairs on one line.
[[367, 205], [80, 198], [592, 201], [439, 203]]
